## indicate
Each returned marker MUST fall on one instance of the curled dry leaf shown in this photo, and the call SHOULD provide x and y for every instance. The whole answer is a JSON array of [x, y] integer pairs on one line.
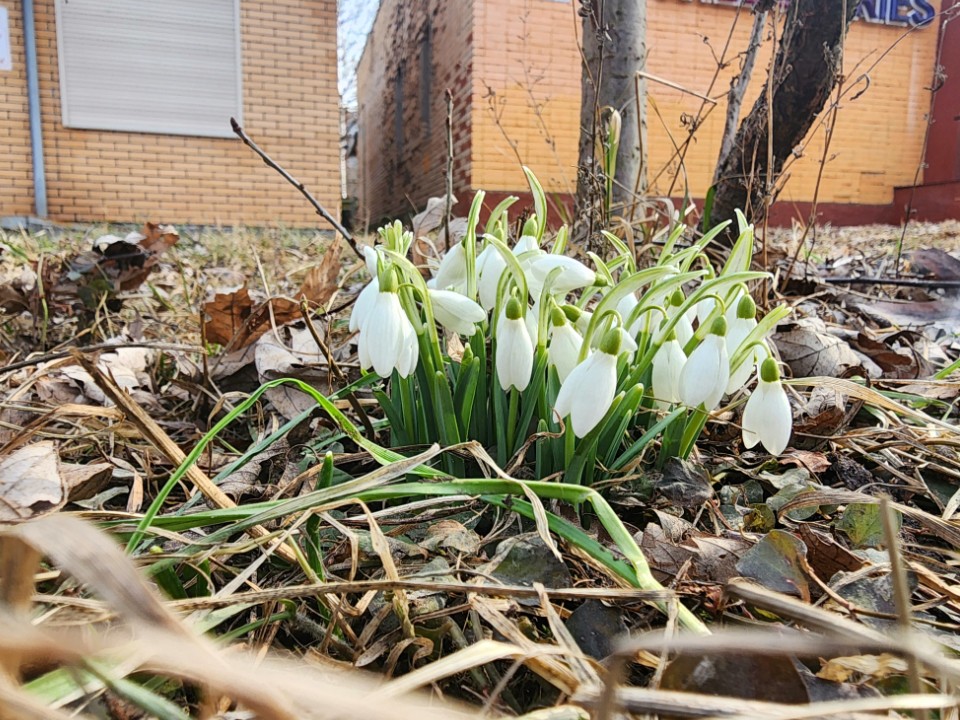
[[31, 484], [807, 347], [320, 283], [232, 319]]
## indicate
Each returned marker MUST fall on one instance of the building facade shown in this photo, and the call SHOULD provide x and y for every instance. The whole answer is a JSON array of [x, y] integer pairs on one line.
[[514, 69], [133, 103]]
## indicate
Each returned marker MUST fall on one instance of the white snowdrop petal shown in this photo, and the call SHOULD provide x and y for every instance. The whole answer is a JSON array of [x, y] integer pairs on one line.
[[573, 274], [591, 401], [667, 365], [767, 418], [365, 301], [564, 350], [490, 268], [514, 354], [370, 258], [705, 374], [588, 392], [452, 273], [456, 312]]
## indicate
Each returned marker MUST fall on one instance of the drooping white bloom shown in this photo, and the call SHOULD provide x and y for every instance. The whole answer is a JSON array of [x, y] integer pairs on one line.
[[456, 312], [370, 257], [743, 323], [706, 372], [767, 417], [589, 389], [573, 274], [452, 273], [490, 268], [625, 307], [563, 352], [668, 363], [514, 349], [364, 302], [387, 339]]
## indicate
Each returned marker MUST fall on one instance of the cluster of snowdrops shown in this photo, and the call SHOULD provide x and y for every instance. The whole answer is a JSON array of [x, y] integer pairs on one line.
[[581, 363]]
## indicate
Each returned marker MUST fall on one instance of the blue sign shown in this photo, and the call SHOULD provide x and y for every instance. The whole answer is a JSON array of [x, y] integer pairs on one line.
[[901, 13], [910, 13]]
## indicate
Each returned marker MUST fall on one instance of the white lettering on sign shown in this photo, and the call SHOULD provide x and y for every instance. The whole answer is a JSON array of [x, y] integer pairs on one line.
[[902, 13], [6, 62]]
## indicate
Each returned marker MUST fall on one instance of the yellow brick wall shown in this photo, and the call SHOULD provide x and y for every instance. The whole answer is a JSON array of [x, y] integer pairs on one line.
[[16, 179], [290, 104], [877, 144], [402, 165], [526, 94]]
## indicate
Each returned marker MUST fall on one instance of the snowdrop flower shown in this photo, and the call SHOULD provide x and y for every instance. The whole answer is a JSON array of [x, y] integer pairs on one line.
[[767, 417], [739, 328], [365, 301], [706, 372], [668, 363], [573, 274], [514, 348], [452, 273], [589, 389], [387, 340], [565, 343], [490, 268], [626, 306], [456, 312], [370, 257]]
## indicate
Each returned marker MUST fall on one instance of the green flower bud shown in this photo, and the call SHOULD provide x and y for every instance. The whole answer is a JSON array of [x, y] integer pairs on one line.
[[388, 281], [719, 327], [514, 309], [467, 355], [572, 312], [677, 299], [611, 342], [769, 370], [557, 318], [747, 308]]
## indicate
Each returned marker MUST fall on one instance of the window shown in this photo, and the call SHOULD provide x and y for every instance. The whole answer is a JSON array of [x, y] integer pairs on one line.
[[170, 66]]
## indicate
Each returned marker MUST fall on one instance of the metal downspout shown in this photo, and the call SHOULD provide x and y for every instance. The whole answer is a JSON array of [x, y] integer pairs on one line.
[[33, 99]]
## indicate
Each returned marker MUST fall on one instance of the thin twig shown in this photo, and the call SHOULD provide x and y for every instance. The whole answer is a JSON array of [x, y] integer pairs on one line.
[[321, 211], [904, 282]]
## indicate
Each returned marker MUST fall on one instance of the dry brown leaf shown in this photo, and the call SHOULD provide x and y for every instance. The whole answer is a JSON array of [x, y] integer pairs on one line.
[[31, 484], [84, 481], [809, 349], [321, 281], [226, 316]]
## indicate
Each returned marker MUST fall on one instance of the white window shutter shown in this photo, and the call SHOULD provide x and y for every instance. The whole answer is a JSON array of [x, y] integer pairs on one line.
[[161, 66]]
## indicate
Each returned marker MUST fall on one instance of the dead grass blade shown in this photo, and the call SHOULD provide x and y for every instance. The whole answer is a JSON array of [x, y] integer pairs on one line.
[[165, 444], [273, 689]]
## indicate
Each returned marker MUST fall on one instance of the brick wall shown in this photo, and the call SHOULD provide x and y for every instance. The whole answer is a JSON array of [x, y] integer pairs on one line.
[[402, 110], [16, 178], [877, 143], [290, 105]]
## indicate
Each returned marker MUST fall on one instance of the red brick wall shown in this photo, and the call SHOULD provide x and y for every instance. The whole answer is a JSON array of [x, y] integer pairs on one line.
[[290, 103]]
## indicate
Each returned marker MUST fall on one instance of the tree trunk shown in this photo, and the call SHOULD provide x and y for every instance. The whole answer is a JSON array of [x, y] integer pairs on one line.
[[614, 50], [804, 74]]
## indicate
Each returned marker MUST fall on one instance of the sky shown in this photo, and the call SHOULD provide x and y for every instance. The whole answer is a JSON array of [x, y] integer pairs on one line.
[[354, 22]]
